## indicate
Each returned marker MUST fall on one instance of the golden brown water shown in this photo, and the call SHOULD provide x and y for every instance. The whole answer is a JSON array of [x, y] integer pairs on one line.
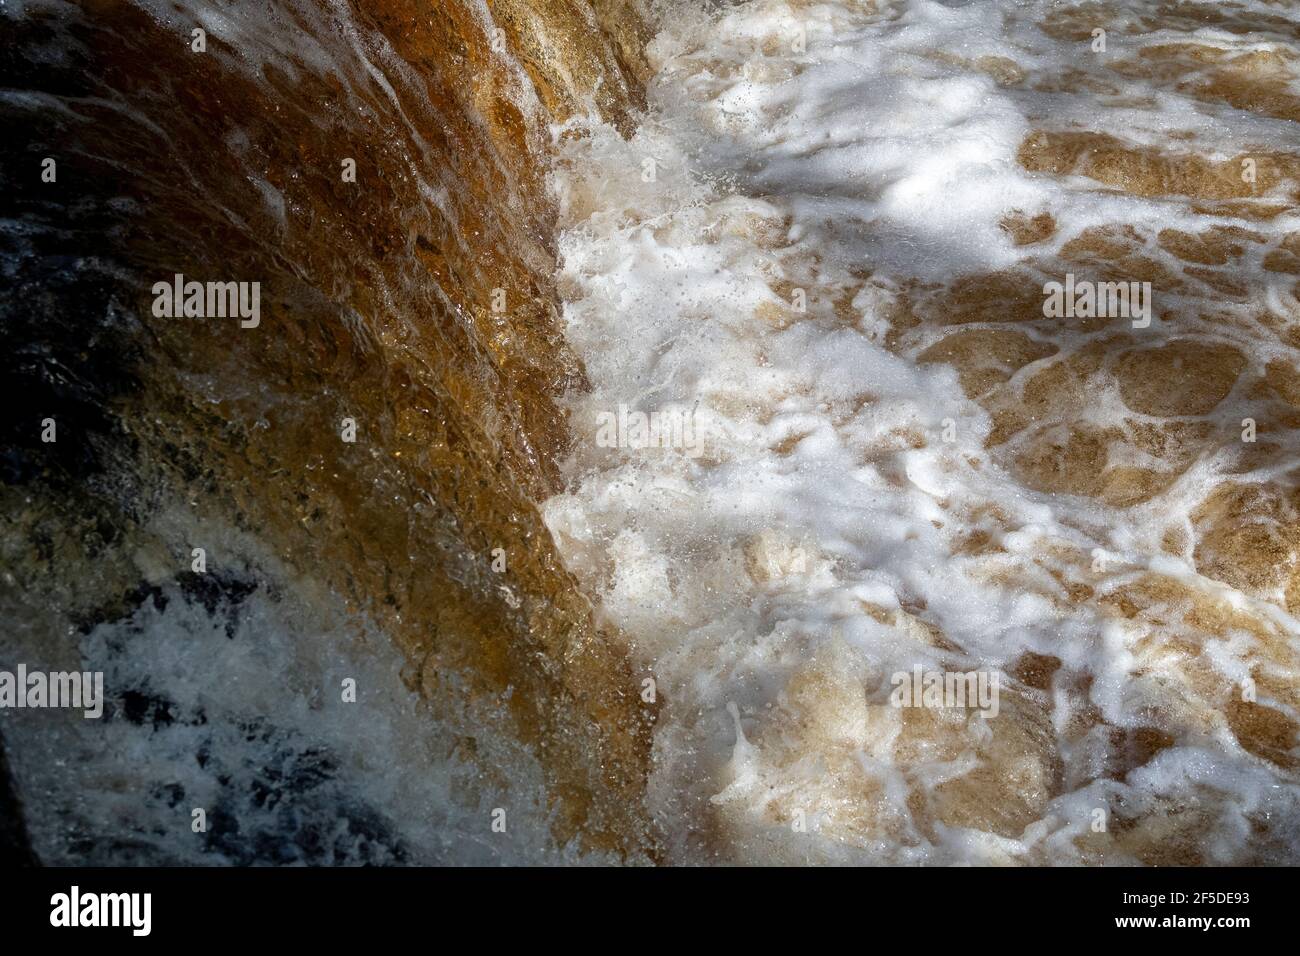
[[377, 305], [430, 301]]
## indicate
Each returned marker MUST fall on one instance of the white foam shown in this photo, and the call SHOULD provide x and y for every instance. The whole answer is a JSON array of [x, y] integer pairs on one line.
[[877, 145], [243, 716]]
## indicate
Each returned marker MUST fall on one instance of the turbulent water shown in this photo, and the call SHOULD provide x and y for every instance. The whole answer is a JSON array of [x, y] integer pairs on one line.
[[824, 237], [907, 463], [378, 168]]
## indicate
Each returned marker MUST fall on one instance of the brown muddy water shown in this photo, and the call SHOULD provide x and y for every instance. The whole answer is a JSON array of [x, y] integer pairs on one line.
[[972, 328]]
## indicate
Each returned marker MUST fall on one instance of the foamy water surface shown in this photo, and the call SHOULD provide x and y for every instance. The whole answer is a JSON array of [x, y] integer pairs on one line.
[[921, 469]]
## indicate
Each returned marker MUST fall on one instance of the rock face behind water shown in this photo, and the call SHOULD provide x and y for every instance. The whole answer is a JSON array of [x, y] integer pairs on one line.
[[415, 301], [14, 848]]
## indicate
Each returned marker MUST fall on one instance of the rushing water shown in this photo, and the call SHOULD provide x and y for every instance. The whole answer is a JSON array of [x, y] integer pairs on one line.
[[819, 239], [379, 170], [908, 464]]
